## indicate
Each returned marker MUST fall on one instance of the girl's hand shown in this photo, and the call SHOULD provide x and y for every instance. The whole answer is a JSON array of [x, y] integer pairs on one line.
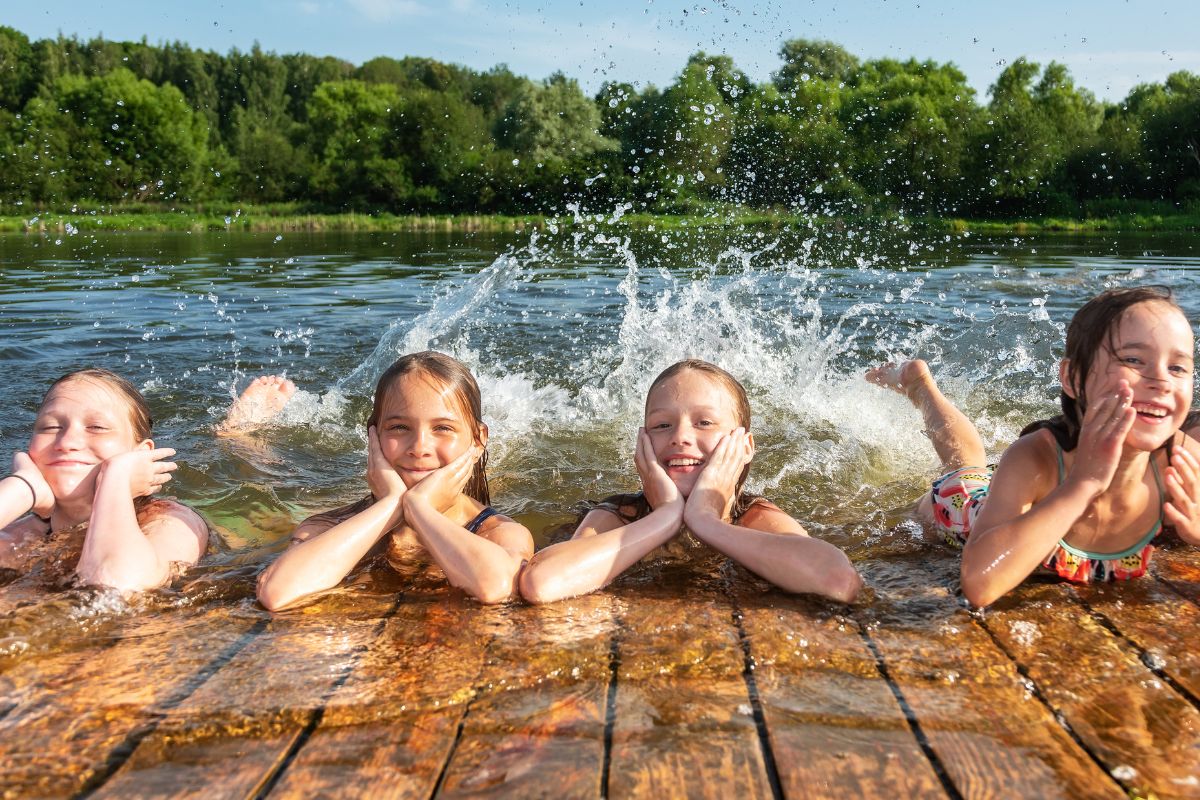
[[382, 477], [144, 470], [1182, 511], [656, 483], [442, 487], [1101, 438], [713, 494], [43, 495]]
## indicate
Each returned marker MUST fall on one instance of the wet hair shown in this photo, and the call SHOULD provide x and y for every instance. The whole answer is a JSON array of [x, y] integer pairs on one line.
[[1092, 329], [629, 507], [446, 374], [139, 411]]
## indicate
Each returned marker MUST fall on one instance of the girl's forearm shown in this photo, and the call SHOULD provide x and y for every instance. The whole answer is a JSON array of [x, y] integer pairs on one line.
[[996, 559], [481, 568], [115, 551], [580, 566], [792, 561], [320, 563], [16, 500]]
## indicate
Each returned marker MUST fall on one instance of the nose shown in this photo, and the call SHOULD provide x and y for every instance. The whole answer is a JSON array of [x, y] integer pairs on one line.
[[419, 444], [69, 437], [683, 433]]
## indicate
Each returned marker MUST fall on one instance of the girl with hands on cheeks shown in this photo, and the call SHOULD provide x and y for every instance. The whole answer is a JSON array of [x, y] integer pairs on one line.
[[693, 457], [1086, 493], [428, 495], [91, 461]]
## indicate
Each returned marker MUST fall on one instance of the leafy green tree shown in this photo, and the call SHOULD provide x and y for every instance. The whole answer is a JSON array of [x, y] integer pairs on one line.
[[553, 120], [814, 59], [115, 137], [16, 69]]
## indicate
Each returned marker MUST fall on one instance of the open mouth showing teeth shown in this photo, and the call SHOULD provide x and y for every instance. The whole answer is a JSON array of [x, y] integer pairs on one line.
[[684, 462], [1150, 411]]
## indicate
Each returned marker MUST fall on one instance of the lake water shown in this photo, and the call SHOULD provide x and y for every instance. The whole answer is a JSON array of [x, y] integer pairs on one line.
[[564, 330]]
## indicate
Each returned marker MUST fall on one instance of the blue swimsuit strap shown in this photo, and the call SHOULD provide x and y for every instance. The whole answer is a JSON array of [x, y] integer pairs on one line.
[[1145, 540], [474, 525]]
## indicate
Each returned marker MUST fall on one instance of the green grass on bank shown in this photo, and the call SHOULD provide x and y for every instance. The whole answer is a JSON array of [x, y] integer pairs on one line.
[[292, 218]]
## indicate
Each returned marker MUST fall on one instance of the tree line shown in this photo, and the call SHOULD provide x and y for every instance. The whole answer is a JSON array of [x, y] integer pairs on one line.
[[130, 122]]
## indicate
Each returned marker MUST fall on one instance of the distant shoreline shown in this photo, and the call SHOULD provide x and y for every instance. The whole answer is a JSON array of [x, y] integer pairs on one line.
[[255, 220]]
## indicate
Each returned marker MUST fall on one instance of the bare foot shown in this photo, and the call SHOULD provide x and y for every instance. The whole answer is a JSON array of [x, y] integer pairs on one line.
[[259, 403], [907, 377]]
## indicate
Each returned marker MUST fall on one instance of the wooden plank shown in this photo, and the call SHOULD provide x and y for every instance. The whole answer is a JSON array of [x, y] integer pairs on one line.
[[1161, 624], [836, 729], [72, 713], [684, 721], [388, 731], [990, 733], [231, 734], [1179, 566], [543, 713], [1145, 733]]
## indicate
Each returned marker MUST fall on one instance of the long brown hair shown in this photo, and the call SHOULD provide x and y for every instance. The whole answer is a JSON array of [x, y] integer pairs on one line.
[[449, 374], [1092, 329], [742, 500]]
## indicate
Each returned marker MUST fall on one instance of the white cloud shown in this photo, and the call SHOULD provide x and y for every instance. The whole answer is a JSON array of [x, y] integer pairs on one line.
[[385, 10]]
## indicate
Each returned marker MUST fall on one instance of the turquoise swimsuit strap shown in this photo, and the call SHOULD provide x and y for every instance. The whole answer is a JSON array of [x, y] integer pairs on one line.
[[1145, 540]]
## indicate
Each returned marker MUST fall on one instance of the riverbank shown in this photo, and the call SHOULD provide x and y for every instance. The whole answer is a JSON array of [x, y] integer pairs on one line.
[[291, 219]]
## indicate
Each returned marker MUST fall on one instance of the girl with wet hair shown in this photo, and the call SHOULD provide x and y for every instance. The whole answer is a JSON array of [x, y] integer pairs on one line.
[[428, 494], [693, 455], [91, 462], [1085, 494]]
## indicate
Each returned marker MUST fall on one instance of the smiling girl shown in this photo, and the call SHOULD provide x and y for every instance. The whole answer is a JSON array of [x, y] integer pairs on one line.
[[91, 461], [1085, 494], [693, 456], [428, 494]]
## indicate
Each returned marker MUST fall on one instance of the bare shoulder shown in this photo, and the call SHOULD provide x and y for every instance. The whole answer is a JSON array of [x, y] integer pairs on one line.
[[1027, 472], [313, 526], [598, 520], [26, 529], [763, 515], [176, 531], [509, 534], [1187, 441]]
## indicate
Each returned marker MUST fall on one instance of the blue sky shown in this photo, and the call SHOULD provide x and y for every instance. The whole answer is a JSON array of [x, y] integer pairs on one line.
[[1109, 45]]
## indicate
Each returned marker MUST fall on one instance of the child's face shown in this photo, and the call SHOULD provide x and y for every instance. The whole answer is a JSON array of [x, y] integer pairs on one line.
[[421, 427], [81, 424], [1153, 349], [686, 416]]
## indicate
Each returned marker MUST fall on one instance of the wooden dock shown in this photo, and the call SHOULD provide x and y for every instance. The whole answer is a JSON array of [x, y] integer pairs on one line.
[[711, 687]]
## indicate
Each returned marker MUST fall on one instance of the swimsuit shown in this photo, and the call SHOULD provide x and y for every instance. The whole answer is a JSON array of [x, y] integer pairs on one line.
[[958, 497], [474, 525]]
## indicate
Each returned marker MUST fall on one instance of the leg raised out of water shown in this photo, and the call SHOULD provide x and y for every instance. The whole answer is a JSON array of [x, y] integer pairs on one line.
[[953, 435], [257, 405]]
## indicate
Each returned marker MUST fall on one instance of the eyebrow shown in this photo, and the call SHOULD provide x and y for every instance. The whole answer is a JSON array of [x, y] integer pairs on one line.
[[701, 409], [403, 418], [1143, 346]]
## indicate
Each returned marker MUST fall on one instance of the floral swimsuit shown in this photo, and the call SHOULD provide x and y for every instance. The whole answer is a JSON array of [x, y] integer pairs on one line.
[[958, 497]]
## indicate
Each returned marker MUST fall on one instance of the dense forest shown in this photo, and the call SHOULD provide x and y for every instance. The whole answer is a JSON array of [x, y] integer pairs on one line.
[[131, 122]]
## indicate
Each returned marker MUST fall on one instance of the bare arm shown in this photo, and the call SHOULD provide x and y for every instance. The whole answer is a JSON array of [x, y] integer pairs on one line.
[[766, 541], [117, 551], [1182, 478], [1022, 520], [322, 555], [603, 548]]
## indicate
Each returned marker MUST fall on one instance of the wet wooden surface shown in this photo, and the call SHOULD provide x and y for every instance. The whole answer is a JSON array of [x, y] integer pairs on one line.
[[671, 687]]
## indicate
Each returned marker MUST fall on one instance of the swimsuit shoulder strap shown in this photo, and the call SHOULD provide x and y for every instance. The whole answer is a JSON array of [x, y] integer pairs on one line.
[[1062, 470], [474, 525]]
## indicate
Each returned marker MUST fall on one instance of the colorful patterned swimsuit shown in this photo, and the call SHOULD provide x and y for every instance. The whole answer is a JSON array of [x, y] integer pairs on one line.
[[958, 497]]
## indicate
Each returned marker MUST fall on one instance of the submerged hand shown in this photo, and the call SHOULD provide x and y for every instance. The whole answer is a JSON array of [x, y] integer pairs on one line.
[[1182, 511], [143, 471], [1102, 437], [656, 483], [716, 487], [43, 495], [382, 478], [442, 487]]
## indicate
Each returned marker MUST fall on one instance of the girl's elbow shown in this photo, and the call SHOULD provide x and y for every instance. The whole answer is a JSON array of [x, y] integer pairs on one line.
[[532, 584], [271, 594], [842, 584], [977, 591], [119, 577]]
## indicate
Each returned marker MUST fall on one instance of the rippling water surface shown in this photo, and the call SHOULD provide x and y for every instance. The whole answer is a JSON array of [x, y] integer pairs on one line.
[[564, 330]]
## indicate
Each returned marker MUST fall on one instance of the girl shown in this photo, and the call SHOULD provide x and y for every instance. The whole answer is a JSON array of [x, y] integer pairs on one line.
[[693, 456], [425, 470], [91, 461], [1086, 493]]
